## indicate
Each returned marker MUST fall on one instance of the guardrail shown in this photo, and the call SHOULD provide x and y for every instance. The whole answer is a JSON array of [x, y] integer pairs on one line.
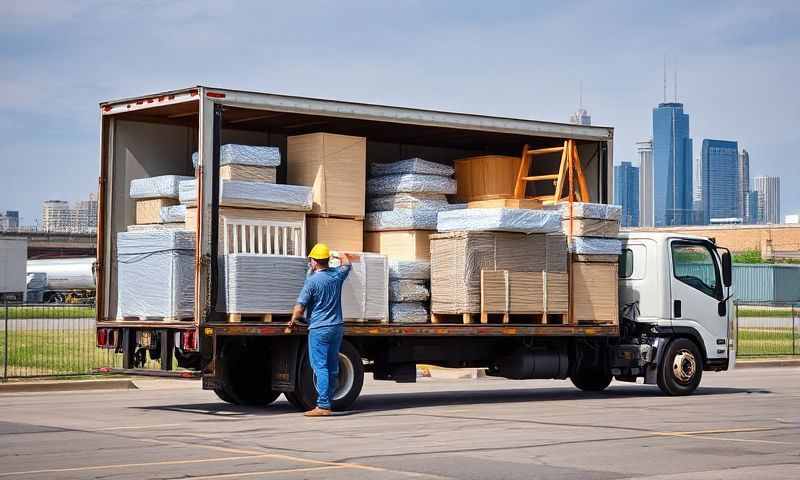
[[767, 329]]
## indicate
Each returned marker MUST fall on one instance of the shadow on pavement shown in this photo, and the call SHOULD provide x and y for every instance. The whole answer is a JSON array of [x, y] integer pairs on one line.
[[379, 402]]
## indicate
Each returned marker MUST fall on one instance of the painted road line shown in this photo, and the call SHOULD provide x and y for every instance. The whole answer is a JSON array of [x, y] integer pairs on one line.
[[267, 472]]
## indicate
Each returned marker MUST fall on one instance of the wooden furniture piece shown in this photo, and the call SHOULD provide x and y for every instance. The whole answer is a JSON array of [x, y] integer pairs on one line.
[[569, 169], [486, 177]]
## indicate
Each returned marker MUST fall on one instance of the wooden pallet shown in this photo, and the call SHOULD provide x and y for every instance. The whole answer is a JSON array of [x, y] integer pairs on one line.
[[465, 318], [523, 318], [155, 319], [259, 317]]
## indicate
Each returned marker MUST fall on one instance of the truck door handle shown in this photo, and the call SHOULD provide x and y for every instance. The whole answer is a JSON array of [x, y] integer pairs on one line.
[[676, 308]]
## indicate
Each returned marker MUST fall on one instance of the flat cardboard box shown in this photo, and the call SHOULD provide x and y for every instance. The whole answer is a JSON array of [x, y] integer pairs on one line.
[[595, 295], [247, 173], [409, 245], [149, 210], [341, 234], [334, 166], [524, 292], [591, 227]]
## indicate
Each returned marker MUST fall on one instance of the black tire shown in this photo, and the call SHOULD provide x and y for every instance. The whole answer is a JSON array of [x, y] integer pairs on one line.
[[681, 368], [293, 400], [245, 374], [591, 379], [306, 393]]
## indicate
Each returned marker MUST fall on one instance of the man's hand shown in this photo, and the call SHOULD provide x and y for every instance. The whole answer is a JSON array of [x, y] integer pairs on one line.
[[349, 258]]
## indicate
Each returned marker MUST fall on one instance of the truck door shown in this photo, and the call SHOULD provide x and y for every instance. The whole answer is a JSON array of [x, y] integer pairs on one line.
[[696, 288]]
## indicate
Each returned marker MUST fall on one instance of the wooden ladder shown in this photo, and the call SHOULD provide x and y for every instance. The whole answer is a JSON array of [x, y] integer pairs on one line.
[[569, 168]]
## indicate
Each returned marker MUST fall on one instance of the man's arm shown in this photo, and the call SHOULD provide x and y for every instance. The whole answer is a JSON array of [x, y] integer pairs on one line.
[[298, 312], [346, 260]]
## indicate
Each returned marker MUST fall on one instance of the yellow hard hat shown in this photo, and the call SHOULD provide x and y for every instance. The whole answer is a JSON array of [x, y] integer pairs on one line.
[[320, 252]]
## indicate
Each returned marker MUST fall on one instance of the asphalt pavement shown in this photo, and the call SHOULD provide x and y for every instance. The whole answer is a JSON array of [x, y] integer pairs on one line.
[[739, 425]]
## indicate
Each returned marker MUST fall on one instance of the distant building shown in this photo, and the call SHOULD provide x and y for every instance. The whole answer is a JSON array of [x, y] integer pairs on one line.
[[60, 216], [86, 215], [9, 220], [672, 166], [752, 214], [769, 198], [697, 183], [626, 193], [645, 151], [744, 184], [791, 219], [580, 117], [721, 184]]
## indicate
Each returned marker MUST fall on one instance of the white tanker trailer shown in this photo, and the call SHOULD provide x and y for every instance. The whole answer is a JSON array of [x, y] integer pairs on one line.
[[61, 280]]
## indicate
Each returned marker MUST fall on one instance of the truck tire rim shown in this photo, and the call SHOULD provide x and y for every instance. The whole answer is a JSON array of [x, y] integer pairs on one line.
[[345, 378], [684, 366]]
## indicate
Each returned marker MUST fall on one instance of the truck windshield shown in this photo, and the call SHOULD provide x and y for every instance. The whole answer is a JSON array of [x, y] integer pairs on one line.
[[694, 265]]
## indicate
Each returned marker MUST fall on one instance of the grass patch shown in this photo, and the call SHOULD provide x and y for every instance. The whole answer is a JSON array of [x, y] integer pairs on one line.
[[778, 312], [48, 311], [54, 352], [768, 341]]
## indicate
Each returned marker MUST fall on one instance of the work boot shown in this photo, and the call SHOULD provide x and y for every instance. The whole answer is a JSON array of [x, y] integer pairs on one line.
[[318, 412]]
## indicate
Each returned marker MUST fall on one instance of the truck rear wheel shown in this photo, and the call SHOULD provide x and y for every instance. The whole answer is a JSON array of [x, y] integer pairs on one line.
[[348, 384], [245, 374], [591, 379], [681, 368]]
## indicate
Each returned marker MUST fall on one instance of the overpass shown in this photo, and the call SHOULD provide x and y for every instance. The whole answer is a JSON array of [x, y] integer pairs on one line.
[[56, 244]]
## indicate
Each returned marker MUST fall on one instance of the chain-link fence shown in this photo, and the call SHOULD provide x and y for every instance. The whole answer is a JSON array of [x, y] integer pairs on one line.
[[767, 329]]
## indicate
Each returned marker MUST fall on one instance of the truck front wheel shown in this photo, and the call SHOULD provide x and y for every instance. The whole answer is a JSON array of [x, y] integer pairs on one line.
[[680, 368], [591, 379], [348, 383]]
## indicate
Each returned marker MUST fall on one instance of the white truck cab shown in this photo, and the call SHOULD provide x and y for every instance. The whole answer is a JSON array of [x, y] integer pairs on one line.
[[675, 292]]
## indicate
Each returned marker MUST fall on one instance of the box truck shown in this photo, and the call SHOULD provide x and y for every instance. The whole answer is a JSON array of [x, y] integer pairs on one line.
[[675, 318]]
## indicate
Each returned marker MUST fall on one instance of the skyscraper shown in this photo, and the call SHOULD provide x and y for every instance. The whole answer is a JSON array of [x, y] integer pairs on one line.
[[645, 151], [9, 220], [626, 193], [744, 184], [672, 165], [752, 213], [57, 216], [580, 117], [721, 182], [769, 198]]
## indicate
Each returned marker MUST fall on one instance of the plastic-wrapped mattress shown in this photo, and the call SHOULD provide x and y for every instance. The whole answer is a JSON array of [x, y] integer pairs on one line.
[[256, 284], [596, 246], [597, 211], [406, 218], [155, 272], [235, 154], [411, 165], [365, 293], [409, 270], [408, 291], [410, 183], [429, 201], [173, 214], [236, 193], [500, 220], [165, 186], [408, 312]]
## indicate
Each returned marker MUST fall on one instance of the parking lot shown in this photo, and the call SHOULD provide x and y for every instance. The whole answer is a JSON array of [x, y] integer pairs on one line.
[[738, 425]]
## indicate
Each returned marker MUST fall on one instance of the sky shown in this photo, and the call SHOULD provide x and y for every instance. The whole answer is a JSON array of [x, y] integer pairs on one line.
[[737, 65]]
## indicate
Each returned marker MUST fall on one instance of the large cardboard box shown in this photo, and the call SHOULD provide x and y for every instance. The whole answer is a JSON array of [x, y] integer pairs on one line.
[[400, 245], [595, 295], [334, 166], [342, 234], [247, 173], [524, 292], [149, 210]]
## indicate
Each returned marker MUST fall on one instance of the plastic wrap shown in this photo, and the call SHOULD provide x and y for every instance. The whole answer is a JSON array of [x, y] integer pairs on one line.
[[173, 214], [155, 273], [408, 312], [157, 226], [257, 284], [598, 211], [235, 193], [405, 219], [410, 183], [596, 246], [500, 219], [430, 201], [165, 186], [365, 293], [235, 154], [408, 291], [411, 165], [409, 270]]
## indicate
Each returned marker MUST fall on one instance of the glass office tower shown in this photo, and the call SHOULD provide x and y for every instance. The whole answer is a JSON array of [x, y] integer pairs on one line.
[[672, 166]]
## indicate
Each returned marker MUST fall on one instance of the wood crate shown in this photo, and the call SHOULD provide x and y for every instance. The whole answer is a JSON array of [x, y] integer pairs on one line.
[[595, 295], [341, 234], [149, 210], [503, 291], [486, 177], [334, 166], [400, 245], [248, 173]]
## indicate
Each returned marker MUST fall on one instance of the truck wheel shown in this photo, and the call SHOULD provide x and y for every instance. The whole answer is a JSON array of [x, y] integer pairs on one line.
[[681, 368], [348, 384], [293, 400], [245, 375], [591, 379]]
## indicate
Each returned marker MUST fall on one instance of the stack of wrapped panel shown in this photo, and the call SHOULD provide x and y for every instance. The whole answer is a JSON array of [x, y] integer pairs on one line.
[[409, 294], [249, 278], [246, 162], [155, 274], [592, 226], [154, 195], [365, 294]]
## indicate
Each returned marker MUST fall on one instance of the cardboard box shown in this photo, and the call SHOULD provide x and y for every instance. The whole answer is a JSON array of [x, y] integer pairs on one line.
[[149, 210], [591, 227], [595, 295], [400, 245], [341, 234], [524, 292], [334, 166], [247, 173]]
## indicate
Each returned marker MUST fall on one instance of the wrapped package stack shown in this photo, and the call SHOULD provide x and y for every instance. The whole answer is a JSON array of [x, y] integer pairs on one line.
[[155, 274], [153, 195], [246, 162], [404, 201], [248, 277], [365, 293], [334, 168]]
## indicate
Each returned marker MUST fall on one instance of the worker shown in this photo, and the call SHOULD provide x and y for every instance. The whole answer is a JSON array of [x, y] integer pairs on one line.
[[320, 302]]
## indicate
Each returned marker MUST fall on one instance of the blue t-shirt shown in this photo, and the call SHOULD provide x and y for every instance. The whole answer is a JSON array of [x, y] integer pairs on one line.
[[322, 296]]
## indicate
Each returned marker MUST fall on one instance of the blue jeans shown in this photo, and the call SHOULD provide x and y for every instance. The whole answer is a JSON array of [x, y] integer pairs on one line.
[[323, 353]]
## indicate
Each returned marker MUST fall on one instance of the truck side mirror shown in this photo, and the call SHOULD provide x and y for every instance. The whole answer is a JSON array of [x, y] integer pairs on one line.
[[727, 269]]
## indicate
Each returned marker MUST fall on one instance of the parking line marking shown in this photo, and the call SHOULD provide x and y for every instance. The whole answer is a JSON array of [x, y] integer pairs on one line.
[[270, 472], [131, 465]]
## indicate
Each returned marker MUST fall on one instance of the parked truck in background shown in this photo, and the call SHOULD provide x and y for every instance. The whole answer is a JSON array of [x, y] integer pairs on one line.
[[675, 319], [61, 280], [13, 254]]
